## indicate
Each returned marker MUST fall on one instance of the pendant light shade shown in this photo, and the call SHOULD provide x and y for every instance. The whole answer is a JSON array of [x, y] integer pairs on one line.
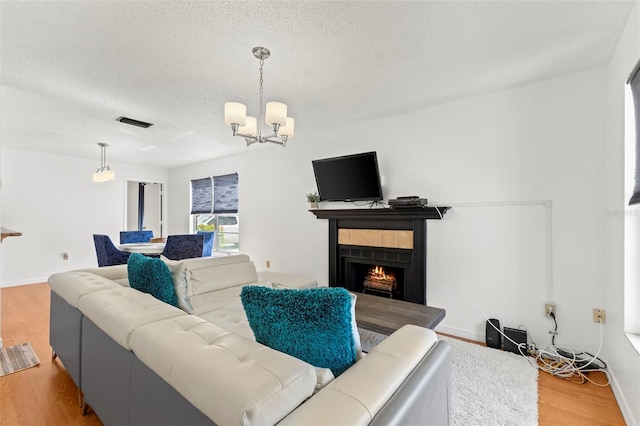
[[104, 172], [235, 113], [287, 129], [276, 113]]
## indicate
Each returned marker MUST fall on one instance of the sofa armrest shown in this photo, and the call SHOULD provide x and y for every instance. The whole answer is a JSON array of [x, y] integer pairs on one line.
[[384, 378], [280, 280], [116, 272]]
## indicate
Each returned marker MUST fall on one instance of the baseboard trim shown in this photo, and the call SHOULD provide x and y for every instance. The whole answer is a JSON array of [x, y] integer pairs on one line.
[[626, 411], [24, 282], [460, 332]]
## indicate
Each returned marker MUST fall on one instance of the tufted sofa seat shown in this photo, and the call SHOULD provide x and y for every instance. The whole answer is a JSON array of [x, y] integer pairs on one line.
[[139, 361], [277, 382]]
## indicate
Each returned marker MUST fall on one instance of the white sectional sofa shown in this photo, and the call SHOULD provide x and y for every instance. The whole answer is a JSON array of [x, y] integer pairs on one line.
[[140, 361]]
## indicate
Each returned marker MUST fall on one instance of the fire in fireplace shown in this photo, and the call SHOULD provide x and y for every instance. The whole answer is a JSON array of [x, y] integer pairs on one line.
[[375, 278], [379, 280]]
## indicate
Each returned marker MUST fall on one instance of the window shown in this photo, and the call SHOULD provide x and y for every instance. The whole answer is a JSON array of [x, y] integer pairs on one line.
[[634, 86], [214, 206], [632, 215]]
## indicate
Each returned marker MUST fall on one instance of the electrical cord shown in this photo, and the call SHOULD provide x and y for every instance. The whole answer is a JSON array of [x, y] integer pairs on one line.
[[372, 204], [570, 364], [555, 330], [560, 362]]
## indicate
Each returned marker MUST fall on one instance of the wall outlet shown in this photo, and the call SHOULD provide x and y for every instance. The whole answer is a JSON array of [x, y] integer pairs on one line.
[[599, 316], [268, 264], [548, 308]]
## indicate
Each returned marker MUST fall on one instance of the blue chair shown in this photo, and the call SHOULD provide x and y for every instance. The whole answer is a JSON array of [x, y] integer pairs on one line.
[[108, 254], [127, 237], [208, 242], [184, 246]]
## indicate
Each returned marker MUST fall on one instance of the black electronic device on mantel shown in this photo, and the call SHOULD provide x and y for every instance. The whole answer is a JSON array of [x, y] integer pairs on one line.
[[408, 202], [492, 334], [348, 178]]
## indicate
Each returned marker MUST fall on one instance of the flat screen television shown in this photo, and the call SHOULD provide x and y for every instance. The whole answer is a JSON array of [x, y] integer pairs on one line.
[[348, 178]]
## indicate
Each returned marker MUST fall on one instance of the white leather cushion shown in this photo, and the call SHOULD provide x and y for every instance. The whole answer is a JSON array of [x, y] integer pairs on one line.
[[356, 396], [232, 380], [180, 283], [280, 280], [123, 282], [71, 286], [224, 308], [114, 272], [324, 376], [214, 273], [119, 311]]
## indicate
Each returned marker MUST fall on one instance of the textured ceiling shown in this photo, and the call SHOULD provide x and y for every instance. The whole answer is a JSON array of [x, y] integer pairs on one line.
[[69, 68]]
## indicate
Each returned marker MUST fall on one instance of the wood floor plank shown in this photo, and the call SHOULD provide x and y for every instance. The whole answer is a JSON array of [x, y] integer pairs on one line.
[[46, 395], [42, 395], [566, 403]]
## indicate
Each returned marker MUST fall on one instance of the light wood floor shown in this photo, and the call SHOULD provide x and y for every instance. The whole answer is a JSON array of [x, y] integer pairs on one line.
[[46, 395]]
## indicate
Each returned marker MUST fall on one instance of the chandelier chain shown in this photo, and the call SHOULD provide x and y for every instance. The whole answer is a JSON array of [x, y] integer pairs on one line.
[[261, 117]]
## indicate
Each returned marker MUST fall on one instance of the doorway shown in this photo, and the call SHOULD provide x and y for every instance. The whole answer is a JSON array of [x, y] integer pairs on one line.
[[144, 207]]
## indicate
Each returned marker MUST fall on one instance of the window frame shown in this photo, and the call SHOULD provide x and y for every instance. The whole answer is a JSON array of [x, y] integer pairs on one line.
[[631, 297], [218, 204]]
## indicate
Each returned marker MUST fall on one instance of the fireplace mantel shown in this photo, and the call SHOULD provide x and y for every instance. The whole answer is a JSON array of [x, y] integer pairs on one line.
[[420, 213], [408, 226]]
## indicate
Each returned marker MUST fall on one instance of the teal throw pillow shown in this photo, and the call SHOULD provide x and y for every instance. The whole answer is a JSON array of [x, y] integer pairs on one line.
[[151, 275], [314, 325]]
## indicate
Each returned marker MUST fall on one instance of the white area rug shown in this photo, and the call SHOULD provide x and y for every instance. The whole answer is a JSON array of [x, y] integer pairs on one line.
[[488, 386]]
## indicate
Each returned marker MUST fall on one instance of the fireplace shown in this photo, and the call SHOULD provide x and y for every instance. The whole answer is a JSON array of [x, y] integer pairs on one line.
[[393, 239]]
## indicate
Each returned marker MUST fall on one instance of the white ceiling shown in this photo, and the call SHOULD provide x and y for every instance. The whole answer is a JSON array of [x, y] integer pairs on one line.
[[69, 68]]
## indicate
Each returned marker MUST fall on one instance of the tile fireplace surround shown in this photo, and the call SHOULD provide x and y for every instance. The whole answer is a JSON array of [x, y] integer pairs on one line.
[[394, 239]]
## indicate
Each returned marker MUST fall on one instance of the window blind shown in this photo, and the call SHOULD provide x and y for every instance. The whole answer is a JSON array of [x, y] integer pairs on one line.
[[225, 193], [201, 196], [634, 83]]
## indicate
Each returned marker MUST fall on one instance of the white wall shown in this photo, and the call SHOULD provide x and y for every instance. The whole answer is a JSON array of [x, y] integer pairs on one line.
[[52, 200], [623, 359], [539, 142]]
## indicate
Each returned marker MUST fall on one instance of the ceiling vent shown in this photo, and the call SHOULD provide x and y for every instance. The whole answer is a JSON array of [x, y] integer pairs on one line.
[[133, 122]]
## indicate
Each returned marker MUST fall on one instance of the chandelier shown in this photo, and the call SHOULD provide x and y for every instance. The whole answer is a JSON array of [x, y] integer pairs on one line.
[[104, 172], [235, 115]]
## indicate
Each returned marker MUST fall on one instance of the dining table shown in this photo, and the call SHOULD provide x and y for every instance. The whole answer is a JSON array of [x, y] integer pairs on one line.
[[143, 248]]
